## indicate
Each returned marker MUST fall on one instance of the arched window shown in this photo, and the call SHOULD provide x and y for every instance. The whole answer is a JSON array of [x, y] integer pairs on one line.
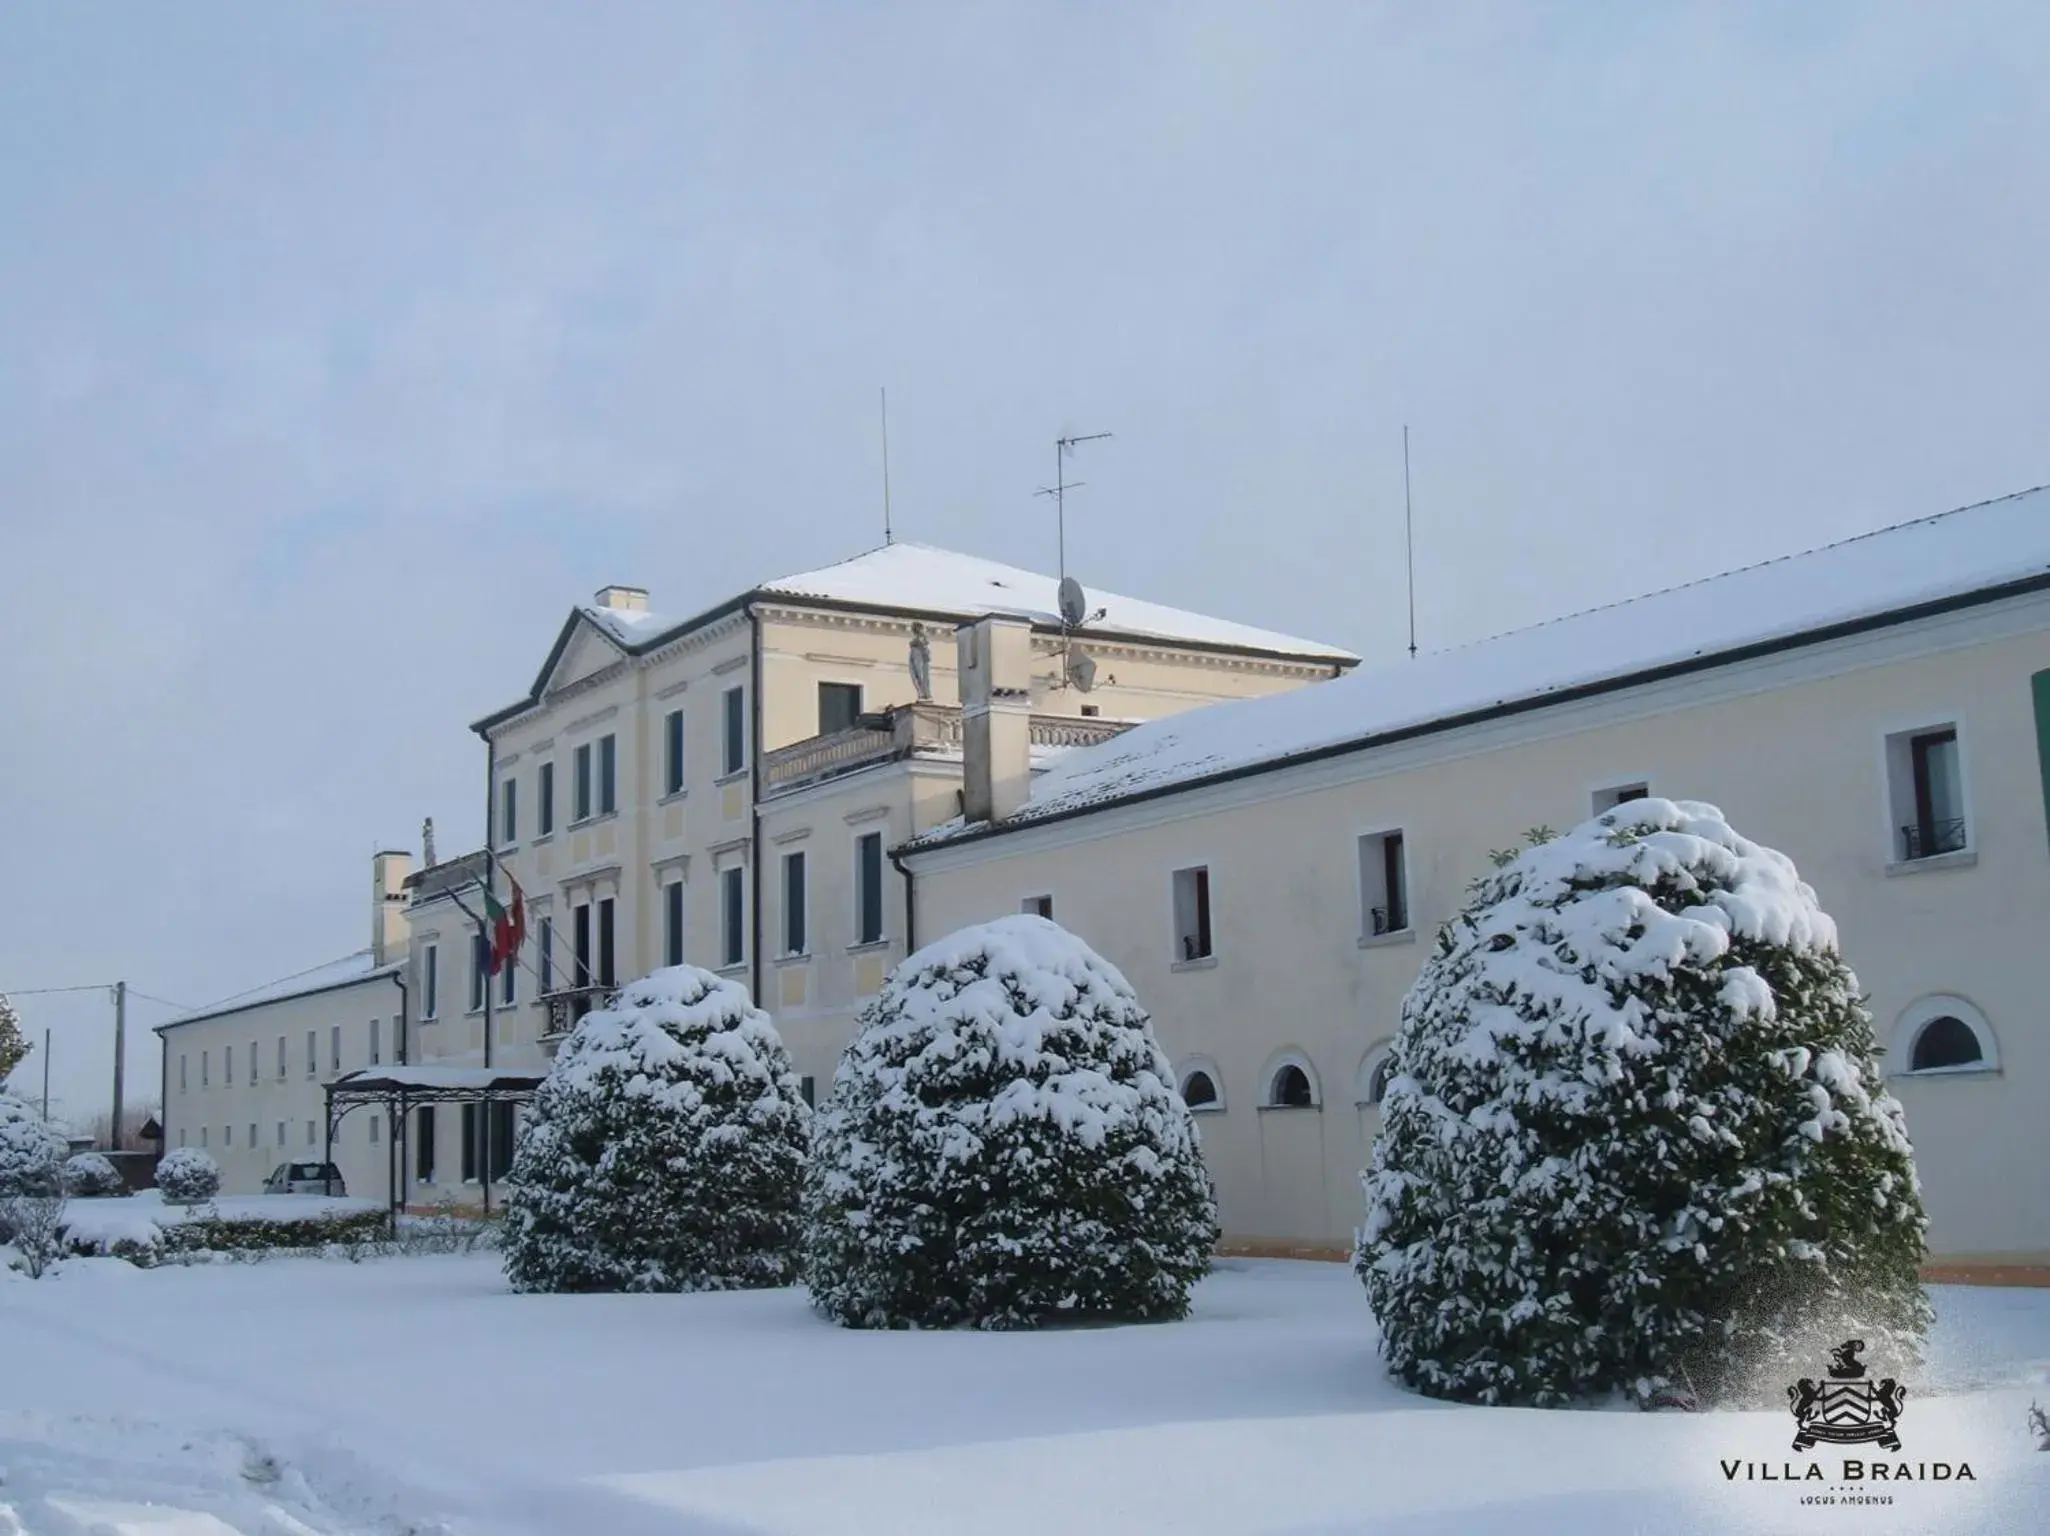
[[1291, 1089], [1945, 1041], [1370, 1085], [1199, 1091], [1943, 1034]]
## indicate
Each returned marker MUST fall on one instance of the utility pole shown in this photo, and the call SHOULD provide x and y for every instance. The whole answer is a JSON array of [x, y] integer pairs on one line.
[[120, 1051], [46, 1075]]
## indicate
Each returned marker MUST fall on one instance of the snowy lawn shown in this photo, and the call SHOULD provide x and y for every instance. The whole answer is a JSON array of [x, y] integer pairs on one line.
[[419, 1394]]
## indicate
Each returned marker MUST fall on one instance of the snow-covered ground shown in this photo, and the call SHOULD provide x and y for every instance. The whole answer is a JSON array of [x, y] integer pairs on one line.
[[419, 1395]]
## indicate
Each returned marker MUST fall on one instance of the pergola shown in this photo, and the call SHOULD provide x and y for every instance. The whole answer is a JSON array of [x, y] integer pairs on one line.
[[401, 1089]]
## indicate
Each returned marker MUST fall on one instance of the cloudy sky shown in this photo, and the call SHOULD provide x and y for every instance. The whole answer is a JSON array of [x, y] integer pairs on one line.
[[346, 346]]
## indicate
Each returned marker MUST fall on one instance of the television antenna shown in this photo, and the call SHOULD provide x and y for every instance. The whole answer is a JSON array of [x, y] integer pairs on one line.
[[1063, 448]]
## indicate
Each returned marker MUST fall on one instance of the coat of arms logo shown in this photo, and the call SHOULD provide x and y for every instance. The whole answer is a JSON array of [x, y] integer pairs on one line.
[[1846, 1408]]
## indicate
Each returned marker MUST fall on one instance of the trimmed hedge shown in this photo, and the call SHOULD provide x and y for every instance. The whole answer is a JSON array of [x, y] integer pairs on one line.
[[215, 1233]]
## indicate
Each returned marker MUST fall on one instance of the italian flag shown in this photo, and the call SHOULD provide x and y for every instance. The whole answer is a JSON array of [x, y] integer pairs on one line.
[[508, 927]]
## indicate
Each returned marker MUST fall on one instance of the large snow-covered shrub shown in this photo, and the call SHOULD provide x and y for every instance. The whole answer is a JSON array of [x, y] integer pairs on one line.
[[1636, 1137], [188, 1175], [87, 1174], [1004, 1146], [665, 1150], [31, 1153]]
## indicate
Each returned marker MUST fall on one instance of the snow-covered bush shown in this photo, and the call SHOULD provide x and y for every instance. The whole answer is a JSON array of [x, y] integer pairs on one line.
[[1004, 1146], [188, 1175], [33, 1224], [665, 1151], [31, 1153], [1636, 1137], [87, 1174]]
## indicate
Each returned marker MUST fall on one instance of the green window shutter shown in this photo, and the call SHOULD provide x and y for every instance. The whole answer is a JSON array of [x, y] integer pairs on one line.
[[2040, 686]]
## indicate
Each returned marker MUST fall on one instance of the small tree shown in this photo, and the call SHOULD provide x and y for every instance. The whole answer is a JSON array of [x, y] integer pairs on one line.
[[14, 1047], [665, 1151], [88, 1174], [188, 1176], [31, 1153], [1004, 1146], [34, 1225], [1636, 1138]]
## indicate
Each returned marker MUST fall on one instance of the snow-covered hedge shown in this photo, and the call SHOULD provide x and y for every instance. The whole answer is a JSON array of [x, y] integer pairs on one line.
[[1004, 1146], [188, 1175], [87, 1174], [1636, 1137], [150, 1229], [665, 1150], [31, 1153]]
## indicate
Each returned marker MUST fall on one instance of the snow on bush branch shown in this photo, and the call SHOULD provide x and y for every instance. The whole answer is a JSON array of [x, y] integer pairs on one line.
[[1635, 1136], [1004, 1146], [666, 1149]]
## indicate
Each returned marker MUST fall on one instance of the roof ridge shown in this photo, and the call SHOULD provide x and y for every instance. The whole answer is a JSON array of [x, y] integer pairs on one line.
[[278, 981], [1739, 570]]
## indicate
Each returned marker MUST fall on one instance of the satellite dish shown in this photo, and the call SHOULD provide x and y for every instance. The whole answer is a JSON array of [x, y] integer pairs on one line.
[[1074, 606], [1082, 670]]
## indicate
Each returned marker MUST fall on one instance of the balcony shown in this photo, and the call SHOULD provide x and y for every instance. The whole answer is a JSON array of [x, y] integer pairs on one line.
[[909, 730], [567, 1005]]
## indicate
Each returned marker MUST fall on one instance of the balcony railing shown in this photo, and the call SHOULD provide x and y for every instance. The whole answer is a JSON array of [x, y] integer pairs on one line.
[[1928, 839], [567, 1005], [906, 731]]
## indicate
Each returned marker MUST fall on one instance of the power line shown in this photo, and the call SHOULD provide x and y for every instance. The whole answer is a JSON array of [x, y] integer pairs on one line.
[[104, 986]]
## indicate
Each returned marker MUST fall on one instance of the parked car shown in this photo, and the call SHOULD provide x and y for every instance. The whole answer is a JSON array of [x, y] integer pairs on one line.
[[305, 1179]]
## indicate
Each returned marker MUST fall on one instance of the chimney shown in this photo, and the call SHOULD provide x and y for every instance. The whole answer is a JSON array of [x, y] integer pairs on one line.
[[388, 928], [995, 657], [623, 599]]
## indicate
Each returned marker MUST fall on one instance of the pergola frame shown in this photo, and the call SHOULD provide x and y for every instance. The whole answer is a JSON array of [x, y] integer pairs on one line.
[[402, 1089]]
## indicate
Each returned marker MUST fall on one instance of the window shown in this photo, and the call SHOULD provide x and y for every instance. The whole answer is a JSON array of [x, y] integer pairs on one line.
[[1371, 1086], [227, 1135], [672, 752], [282, 1067], [423, 1144], [839, 707], [1199, 1090], [202, 1130], [255, 1056], [1192, 914], [228, 1065], [672, 923], [312, 1053], [375, 1055], [809, 1092], [183, 1084], [1943, 1034], [1038, 906], [580, 934], [1619, 794], [509, 983], [509, 813], [868, 888], [606, 975], [1945, 1041], [311, 1138], [252, 1136], [503, 1129], [480, 966], [373, 1130], [544, 801], [205, 1073], [1290, 1088], [1384, 885], [734, 757], [471, 1132], [608, 775], [580, 790], [334, 1048], [547, 956], [1927, 791], [793, 904], [732, 915], [281, 1133], [430, 984]]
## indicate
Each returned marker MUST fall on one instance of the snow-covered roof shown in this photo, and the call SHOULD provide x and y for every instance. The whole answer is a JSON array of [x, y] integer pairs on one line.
[[1953, 554], [436, 1077], [916, 579], [344, 972], [920, 578]]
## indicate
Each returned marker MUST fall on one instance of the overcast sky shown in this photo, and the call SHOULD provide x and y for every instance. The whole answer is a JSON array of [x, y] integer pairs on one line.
[[342, 348]]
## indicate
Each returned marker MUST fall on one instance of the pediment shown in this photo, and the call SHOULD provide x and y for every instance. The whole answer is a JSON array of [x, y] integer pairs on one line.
[[585, 651]]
